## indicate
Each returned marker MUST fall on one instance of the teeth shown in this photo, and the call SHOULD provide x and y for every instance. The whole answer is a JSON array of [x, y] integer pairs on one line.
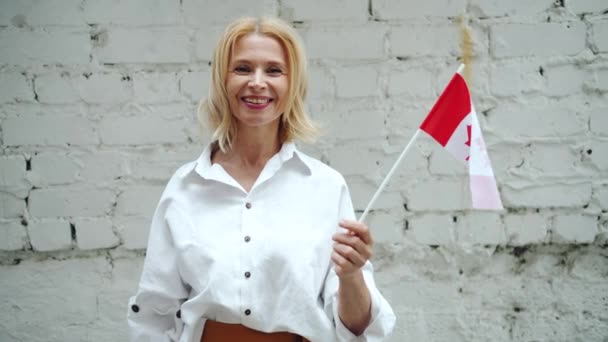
[[256, 100]]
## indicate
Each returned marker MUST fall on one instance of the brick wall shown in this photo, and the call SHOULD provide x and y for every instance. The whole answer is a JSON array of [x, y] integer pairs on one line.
[[97, 109]]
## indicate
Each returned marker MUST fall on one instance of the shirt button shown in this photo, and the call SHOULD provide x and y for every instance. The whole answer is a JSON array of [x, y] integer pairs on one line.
[[247, 312], [248, 205], [247, 238], [135, 308], [247, 274]]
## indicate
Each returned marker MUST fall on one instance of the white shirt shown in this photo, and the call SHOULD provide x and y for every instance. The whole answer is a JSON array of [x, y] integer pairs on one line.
[[260, 258]]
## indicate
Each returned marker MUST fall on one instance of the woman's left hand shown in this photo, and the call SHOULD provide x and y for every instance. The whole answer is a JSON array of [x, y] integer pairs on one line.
[[352, 249]]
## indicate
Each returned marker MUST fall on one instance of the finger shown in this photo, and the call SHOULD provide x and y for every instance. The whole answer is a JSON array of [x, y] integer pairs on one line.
[[355, 242], [342, 265], [350, 254], [358, 228]]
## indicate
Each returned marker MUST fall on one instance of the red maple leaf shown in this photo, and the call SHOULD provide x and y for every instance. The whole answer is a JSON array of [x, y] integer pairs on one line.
[[468, 142]]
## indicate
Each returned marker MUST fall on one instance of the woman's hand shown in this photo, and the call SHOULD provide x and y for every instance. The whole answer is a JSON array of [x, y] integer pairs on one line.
[[351, 249]]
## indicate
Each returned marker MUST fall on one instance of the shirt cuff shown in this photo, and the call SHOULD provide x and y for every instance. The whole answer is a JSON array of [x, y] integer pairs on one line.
[[376, 330]]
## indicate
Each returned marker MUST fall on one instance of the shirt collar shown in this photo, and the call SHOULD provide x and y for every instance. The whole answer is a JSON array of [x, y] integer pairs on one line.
[[288, 151]]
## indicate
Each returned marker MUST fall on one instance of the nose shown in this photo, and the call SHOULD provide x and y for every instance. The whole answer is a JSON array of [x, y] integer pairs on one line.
[[257, 79]]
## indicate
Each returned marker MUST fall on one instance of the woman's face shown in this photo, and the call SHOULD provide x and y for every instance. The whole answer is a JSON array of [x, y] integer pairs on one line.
[[257, 83]]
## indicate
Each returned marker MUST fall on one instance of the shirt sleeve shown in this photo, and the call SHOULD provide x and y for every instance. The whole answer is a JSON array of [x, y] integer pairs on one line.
[[382, 319], [153, 313]]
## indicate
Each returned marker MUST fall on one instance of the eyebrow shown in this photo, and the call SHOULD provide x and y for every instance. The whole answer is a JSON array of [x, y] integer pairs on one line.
[[242, 60]]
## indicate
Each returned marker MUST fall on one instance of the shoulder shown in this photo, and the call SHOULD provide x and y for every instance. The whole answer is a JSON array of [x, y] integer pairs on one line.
[[322, 171]]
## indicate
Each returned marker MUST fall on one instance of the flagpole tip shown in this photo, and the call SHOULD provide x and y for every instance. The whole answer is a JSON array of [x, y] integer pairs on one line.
[[460, 69]]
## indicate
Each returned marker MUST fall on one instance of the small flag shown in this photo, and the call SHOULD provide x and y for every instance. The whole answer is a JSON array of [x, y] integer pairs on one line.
[[453, 123]]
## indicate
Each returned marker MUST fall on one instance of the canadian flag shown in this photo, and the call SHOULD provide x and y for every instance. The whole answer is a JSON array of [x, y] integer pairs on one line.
[[453, 123]]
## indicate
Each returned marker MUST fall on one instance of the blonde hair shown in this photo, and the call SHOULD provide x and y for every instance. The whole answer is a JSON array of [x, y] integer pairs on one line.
[[295, 122]]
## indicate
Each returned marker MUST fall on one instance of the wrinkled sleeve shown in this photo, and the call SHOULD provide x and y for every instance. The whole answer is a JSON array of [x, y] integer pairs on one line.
[[153, 312], [383, 319]]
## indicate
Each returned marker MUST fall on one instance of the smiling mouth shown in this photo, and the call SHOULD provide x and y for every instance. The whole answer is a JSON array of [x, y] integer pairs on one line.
[[256, 100]]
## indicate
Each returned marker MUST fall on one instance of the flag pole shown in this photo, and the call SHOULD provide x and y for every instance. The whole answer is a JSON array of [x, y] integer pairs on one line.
[[394, 167], [388, 176]]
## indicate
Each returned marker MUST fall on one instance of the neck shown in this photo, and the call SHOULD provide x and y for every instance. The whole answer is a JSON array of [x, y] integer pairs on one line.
[[254, 146]]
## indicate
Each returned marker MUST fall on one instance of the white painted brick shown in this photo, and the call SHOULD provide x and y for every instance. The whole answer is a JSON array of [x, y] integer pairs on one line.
[[432, 229], [319, 84], [496, 8], [67, 201], [195, 85], [48, 130], [405, 120], [338, 42], [55, 46], [431, 40], [551, 160], [54, 168], [354, 125], [411, 82], [205, 41], [138, 200], [530, 120], [386, 228], [524, 229], [56, 88], [14, 87], [441, 195], [152, 45], [586, 6], [406, 9], [546, 39], [203, 12], [134, 231], [34, 13], [441, 162], [45, 290], [599, 155], [105, 88], [481, 228], [94, 233], [414, 166], [598, 80], [104, 166], [357, 81], [574, 228], [337, 10], [564, 80], [155, 88], [159, 164], [50, 235], [13, 173], [506, 159], [90, 88], [590, 267], [350, 159], [11, 206], [132, 12], [142, 129], [114, 294], [601, 194], [12, 235], [545, 196], [600, 35], [515, 79], [60, 168], [362, 190]]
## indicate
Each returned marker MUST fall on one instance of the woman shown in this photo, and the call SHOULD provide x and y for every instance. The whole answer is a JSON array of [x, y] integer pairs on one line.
[[255, 241]]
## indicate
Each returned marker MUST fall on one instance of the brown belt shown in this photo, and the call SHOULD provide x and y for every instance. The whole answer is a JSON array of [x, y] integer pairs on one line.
[[223, 332]]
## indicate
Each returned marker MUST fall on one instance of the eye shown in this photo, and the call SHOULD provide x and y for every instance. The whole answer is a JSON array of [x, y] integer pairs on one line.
[[242, 69], [274, 71]]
